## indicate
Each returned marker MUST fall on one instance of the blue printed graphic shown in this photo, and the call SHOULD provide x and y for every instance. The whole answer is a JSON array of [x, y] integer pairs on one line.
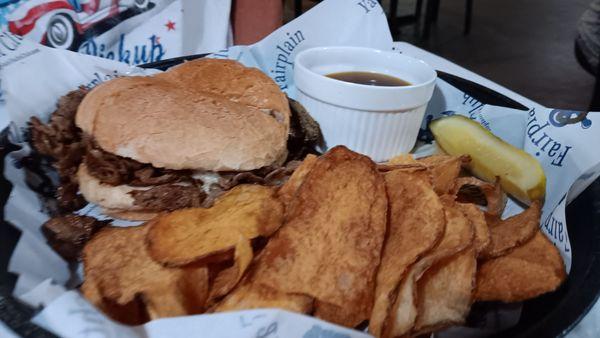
[[267, 331], [317, 332], [4, 3], [150, 50], [65, 24], [76, 5], [6, 7], [561, 118]]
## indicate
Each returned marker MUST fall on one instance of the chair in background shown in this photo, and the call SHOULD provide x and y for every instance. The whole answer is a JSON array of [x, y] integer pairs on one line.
[[395, 21], [583, 62], [431, 14], [298, 6]]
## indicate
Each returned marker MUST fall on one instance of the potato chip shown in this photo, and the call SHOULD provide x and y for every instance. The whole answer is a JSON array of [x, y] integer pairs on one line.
[[403, 310], [405, 162], [511, 232], [253, 296], [188, 235], [528, 271], [457, 237], [330, 246], [445, 292], [442, 158], [444, 170], [495, 198], [131, 313], [402, 159], [341, 315], [288, 189], [416, 224], [118, 268], [228, 278], [480, 226], [459, 232], [188, 293], [410, 168]]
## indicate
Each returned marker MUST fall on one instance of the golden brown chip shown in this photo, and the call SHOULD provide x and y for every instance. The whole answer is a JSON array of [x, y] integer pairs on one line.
[[118, 268], [403, 309], [495, 198], [457, 237], [459, 232], [444, 170], [186, 295], [405, 162], [438, 159], [340, 315], [528, 271], [227, 279], [402, 159], [330, 246], [252, 296], [409, 168], [416, 224], [131, 313], [511, 232], [288, 189], [445, 292], [480, 226], [188, 235]]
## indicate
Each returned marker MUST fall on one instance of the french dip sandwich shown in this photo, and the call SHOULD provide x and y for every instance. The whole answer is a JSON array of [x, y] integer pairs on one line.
[[140, 145]]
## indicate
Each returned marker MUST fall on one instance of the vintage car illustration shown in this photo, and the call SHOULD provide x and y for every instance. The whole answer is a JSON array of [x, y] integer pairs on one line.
[[63, 23]]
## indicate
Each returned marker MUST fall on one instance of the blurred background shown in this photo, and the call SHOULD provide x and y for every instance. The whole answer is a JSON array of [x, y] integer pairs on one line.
[[526, 46]]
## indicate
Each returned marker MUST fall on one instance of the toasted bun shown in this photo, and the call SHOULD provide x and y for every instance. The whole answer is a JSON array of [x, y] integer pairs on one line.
[[105, 195], [234, 81], [191, 118]]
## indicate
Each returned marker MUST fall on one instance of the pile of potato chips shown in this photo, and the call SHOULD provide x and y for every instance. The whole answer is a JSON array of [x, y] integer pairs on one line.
[[406, 246]]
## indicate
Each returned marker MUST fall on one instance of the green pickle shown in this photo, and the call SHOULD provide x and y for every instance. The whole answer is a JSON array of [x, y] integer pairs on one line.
[[521, 175]]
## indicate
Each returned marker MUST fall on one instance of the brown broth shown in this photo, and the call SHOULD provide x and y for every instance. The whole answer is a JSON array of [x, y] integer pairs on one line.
[[369, 79]]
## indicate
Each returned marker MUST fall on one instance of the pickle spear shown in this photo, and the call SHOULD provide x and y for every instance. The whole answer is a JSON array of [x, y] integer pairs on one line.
[[521, 175]]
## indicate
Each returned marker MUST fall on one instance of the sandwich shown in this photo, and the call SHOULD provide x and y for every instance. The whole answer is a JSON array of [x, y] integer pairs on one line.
[[140, 145]]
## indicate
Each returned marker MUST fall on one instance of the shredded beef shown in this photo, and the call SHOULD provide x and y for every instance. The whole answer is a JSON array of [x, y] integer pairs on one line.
[[305, 134], [68, 234], [228, 181], [279, 175], [60, 136], [68, 196], [271, 175], [108, 168], [116, 170], [60, 140], [169, 197], [152, 176], [63, 142]]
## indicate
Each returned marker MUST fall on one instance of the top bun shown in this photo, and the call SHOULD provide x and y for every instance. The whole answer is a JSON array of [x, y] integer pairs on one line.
[[234, 81], [203, 115]]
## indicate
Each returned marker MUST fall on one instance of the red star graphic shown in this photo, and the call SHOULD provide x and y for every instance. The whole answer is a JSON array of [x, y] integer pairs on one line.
[[170, 25]]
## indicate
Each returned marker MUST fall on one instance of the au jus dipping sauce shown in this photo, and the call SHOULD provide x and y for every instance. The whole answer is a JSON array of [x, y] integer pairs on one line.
[[369, 79]]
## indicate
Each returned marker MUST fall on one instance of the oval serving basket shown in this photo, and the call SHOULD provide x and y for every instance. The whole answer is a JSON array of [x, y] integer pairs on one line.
[[551, 315]]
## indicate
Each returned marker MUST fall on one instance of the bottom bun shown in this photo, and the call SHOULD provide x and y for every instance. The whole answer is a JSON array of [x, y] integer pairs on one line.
[[107, 196], [130, 215]]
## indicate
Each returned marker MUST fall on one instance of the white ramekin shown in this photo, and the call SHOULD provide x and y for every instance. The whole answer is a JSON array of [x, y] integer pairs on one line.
[[377, 121]]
